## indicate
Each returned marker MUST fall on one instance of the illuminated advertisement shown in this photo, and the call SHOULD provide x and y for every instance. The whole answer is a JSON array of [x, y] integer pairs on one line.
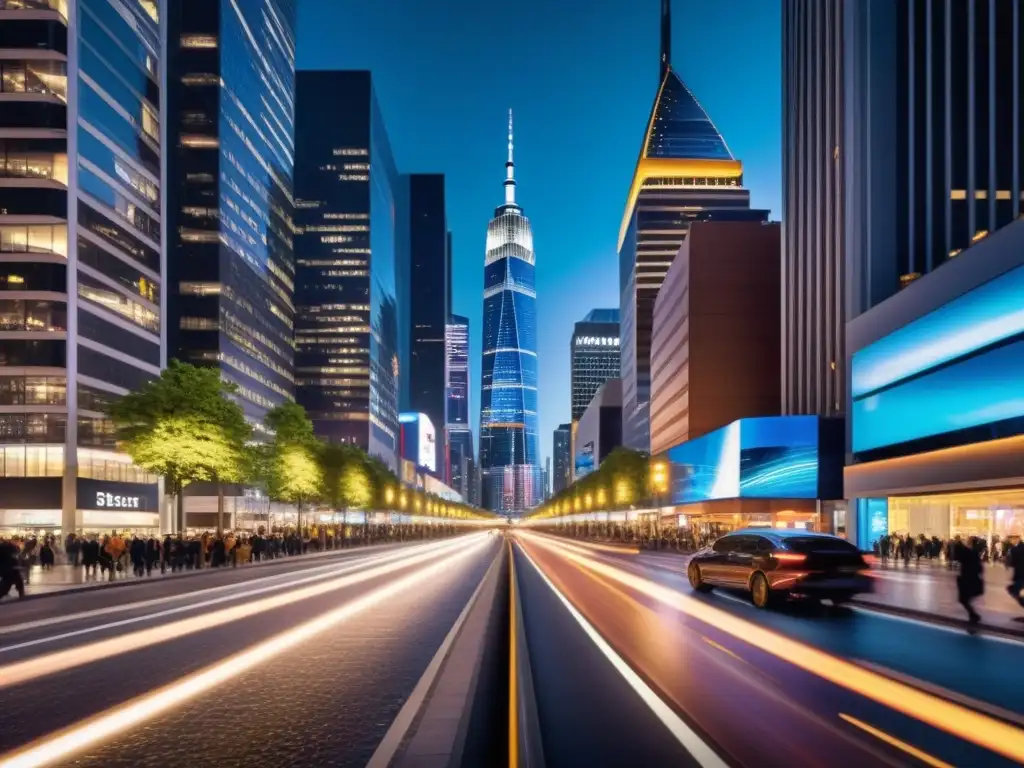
[[418, 440], [957, 368], [770, 457], [585, 460]]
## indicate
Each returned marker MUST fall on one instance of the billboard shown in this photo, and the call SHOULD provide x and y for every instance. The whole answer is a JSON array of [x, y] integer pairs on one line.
[[584, 463], [957, 369], [770, 457], [419, 440]]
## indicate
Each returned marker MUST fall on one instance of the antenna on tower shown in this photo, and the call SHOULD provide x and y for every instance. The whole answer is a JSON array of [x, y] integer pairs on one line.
[[510, 181]]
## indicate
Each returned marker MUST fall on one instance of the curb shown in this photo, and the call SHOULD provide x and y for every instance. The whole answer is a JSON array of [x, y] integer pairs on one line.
[[935, 618], [138, 582]]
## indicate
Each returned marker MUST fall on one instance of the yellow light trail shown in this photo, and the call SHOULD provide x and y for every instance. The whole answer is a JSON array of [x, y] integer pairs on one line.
[[63, 744], [21, 672], [966, 724]]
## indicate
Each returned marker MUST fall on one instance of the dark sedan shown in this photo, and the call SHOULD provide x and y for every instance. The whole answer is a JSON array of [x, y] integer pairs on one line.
[[773, 564]]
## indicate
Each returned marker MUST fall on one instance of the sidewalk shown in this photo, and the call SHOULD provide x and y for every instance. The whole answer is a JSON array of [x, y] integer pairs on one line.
[[927, 593], [67, 578], [930, 593]]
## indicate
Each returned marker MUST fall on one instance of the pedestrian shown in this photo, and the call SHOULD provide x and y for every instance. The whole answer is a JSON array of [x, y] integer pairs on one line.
[[10, 571], [969, 582], [1015, 560], [46, 555], [152, 554], [165, 554], [137, 553], [73, 546], [90, 556]]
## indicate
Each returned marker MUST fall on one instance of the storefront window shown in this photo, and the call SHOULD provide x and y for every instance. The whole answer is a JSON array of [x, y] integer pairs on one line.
[[31, 460], [985, 514]]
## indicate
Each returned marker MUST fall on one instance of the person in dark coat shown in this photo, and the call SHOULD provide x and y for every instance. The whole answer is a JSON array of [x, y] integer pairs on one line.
[[179, 554], [152, 554], [969, 582], [10, 572], [46, 555], [167, 551], [217, 553], [73, 547], [1015, 560], [90, 556], [137, 553]]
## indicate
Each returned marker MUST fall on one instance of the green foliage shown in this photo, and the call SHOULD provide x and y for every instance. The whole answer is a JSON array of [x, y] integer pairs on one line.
[[185, 427], [622, 471], [356, 486], [290, 464]]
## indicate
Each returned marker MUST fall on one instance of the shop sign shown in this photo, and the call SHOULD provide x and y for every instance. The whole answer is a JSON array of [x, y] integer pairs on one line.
[[115, 497]]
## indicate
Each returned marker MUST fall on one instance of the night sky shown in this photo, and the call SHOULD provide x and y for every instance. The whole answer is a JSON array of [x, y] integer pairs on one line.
[[580, 78]]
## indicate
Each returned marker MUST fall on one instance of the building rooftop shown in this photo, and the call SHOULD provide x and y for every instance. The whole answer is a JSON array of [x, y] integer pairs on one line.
[[602, 316]]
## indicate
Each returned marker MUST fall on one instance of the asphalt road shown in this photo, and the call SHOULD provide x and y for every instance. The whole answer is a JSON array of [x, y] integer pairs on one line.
[[303, 664], [794, 687]]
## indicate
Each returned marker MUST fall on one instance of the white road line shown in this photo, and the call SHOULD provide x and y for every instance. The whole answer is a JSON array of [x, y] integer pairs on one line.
[[392, 740], [59, 746], [328, 573], [686, 736], [19, 672], [121, 608]]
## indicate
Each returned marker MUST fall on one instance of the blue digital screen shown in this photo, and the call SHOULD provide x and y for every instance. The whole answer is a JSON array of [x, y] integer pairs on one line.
[[955, 368], [872, 521], [584, 464], [989, 314], [779, 457], [771, 457]]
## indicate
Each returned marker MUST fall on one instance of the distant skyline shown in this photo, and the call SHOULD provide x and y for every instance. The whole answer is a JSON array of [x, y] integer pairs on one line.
[[445, 81]]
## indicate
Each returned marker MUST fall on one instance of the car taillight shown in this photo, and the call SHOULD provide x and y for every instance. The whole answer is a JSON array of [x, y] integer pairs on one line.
[[789, 557]]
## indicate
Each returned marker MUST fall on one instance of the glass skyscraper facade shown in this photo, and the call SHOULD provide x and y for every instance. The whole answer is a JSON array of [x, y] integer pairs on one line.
[[509, 441], [685, 173], [594, 350], [349, 217], [429, 300], [82, 252], [231, 103], [562, 453], [458, 433]]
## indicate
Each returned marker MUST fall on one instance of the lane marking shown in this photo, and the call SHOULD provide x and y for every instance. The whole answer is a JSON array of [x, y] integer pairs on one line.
[[513, 704], [991, 635], [139, 604], [19, 672], [396, 733], [60, 745], [967, 725], [334, 570], [686, 736], [722, 648], [910, 749]]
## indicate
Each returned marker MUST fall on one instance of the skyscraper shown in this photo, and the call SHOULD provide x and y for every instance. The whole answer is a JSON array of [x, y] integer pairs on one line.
[[348, 215], [509, 442], [81, 318], [458, 433], [230, 130], [813, 297], [595, 356], [561, 452], [934, 135], [429, 301], [685, 173]]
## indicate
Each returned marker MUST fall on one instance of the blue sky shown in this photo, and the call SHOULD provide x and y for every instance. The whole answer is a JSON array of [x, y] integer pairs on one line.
[[580, 77]]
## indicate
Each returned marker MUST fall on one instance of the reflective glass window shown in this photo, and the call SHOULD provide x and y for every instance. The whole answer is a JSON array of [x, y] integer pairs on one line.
[[120, 374], [36, 238], [103, 296], [26, 276], [119, 204], [131, 101], [99, 113], [117, 269], [116, 167], [32, 315], [110, 335], [117, 236], [30, 352]]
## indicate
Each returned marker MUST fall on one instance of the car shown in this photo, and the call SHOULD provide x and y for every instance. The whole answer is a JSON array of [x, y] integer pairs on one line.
[[772, 564]]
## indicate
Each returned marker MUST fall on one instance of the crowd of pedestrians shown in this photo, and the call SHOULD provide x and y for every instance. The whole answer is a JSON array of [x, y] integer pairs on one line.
[[125, 555]]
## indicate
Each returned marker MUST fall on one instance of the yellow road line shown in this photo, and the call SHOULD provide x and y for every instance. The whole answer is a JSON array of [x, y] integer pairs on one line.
[[720, 647], [911, 750], [513, 704]]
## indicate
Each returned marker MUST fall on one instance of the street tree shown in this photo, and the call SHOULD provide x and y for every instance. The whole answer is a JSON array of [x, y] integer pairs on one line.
[[185, 426], [292, 468]]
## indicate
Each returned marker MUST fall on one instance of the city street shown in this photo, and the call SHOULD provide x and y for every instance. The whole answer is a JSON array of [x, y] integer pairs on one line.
[[798, 686], [301, 663]]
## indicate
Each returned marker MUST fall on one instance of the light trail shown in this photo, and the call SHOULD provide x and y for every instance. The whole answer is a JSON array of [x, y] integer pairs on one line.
[[139, 604], [21, 672], [63, 744], [686, 736], [322, 574], [966, 724]]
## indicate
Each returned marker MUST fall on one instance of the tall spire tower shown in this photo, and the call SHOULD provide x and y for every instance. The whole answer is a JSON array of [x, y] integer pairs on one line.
[[510, 168], [666, 39], [510, 467]]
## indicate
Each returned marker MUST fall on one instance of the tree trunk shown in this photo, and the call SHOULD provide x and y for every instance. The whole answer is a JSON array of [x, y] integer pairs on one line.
[[180, 509], [220, 508]]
